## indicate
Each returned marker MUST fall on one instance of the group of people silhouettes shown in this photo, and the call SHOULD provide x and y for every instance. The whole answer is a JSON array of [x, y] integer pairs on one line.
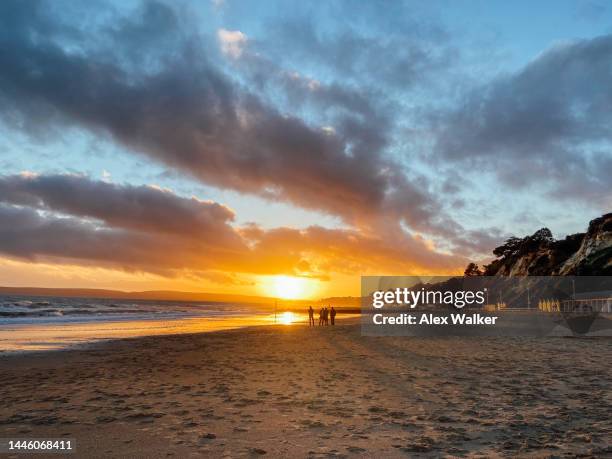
[[325, 315]]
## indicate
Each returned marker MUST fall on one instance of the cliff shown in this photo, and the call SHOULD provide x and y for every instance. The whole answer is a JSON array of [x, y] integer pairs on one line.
[[582, 254]]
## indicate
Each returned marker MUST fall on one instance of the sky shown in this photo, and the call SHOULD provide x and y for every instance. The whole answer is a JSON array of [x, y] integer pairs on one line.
[[220, 146]]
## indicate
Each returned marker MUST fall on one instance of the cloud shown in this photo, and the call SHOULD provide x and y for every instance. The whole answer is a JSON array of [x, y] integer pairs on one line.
[[232, 42], [348, 251], [171, 103], [548, 124], [140, 208], [72, 219], [387, 47]]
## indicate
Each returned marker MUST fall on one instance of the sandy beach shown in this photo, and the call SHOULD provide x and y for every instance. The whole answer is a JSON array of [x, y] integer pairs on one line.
[[294, 391]]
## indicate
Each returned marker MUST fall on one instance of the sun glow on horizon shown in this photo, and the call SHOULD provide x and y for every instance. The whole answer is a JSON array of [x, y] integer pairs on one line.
[[289, 287]]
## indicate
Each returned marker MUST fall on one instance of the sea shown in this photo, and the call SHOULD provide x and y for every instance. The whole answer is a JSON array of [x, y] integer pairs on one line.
[[51, 323]]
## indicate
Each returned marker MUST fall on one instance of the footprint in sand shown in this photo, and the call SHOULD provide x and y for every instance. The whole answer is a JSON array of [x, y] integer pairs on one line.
[[312, 424]]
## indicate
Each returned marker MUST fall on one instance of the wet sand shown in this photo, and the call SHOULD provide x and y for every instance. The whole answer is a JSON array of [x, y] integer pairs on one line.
[[58, 335], [291, 391]]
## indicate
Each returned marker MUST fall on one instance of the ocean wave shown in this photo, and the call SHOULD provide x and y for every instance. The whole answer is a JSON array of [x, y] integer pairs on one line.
[[23, 303], [14, 309], [38, 313]]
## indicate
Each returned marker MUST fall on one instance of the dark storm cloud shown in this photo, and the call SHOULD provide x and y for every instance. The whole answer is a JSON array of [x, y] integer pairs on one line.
[[549, 123], [72, 219], [181, 110]]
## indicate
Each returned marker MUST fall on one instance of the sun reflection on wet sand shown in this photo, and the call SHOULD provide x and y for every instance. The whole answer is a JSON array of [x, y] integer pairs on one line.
[[52, 336], [287, 318], [30, 337]]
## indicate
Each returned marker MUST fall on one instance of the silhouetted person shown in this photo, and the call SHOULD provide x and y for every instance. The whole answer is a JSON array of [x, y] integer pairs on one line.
[[326, 316], [320, 316], [332, 315], [311, 321]]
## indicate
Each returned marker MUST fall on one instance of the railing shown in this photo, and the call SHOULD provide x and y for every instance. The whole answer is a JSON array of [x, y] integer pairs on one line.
[[582, 305], [495, 307]]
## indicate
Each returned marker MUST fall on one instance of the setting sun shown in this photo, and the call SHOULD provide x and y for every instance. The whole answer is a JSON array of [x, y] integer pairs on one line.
[[289, 287]]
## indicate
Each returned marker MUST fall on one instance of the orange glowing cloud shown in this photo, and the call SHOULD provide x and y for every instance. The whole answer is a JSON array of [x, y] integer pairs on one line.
[[68, 219]]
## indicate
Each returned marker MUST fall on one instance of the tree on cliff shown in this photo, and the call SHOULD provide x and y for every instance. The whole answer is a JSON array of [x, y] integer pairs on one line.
[[472, 270], [508, 248], [515, 247]]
